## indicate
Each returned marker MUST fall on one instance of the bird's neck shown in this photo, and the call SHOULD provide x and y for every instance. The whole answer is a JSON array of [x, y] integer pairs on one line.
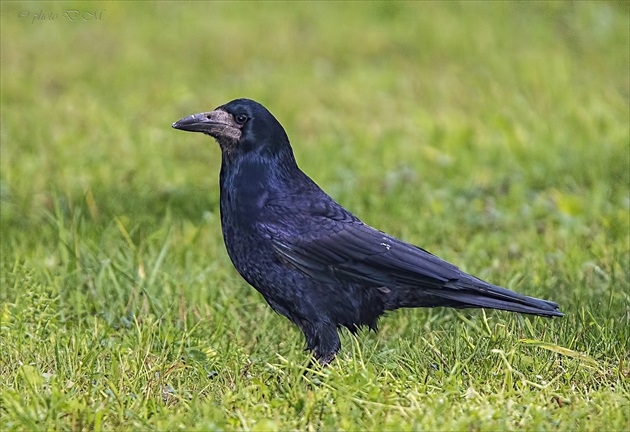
[[249, 181], [246, 170]]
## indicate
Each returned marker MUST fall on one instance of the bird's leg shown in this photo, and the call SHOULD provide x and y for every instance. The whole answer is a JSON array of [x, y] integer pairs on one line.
[[322, 339]]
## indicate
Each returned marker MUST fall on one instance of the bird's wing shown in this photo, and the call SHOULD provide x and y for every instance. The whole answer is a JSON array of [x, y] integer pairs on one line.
[[330, 244], [333, 243]]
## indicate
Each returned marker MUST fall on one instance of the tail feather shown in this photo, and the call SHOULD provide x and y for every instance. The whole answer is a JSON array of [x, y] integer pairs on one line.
[[474, 292], [470, 292], [526, 305]]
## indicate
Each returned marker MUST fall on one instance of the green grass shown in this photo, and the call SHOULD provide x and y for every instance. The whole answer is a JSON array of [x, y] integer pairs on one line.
[[493, 134]]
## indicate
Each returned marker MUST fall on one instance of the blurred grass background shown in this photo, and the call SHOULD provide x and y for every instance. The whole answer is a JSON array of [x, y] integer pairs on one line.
[[493, 134]]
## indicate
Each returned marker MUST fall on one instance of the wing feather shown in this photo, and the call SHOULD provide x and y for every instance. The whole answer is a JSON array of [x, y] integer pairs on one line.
[[360, 253]]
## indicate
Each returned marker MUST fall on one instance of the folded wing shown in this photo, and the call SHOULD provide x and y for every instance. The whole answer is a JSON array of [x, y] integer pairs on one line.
[[352, 251]]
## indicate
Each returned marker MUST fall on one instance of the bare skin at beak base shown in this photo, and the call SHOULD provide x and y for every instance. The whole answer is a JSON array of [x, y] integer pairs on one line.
[[214, 123]]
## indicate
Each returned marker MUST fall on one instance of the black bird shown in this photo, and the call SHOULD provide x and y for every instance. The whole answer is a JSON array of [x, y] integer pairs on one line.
[[312, 260]]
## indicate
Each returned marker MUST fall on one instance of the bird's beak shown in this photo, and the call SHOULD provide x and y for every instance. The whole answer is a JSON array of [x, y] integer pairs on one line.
[[208, 122]]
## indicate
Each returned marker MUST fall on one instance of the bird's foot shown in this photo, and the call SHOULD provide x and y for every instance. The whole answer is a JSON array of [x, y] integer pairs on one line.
[[326, 359]]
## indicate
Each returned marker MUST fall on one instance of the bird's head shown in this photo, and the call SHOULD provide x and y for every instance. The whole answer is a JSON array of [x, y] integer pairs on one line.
[[241, 126]]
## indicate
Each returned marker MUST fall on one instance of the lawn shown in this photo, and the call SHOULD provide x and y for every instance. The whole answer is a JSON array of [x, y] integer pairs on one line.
[[495, 135]]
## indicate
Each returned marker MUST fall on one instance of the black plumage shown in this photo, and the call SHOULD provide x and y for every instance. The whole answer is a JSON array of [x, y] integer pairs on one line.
[[312, 260]]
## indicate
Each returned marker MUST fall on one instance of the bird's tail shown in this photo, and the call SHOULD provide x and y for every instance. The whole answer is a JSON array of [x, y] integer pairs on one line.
[[471, 292]]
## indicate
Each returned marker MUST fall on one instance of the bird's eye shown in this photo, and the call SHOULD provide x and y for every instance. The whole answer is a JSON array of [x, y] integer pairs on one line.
[[241, 118]]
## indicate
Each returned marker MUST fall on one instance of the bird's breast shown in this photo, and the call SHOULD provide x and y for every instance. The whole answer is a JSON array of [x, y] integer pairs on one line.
[[247, 189]]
